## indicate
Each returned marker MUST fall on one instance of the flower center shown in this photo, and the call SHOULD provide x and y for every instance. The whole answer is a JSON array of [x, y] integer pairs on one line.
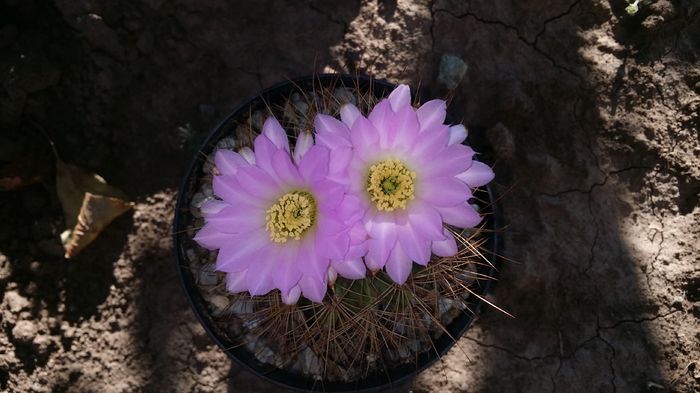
[[291, 216], [391, 185]]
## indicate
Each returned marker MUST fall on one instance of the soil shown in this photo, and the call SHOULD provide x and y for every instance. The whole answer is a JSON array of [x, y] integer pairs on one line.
[[593, 117]]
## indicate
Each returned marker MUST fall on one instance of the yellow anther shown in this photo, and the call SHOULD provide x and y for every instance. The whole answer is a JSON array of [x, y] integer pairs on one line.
[[291, 216], [391, 185]]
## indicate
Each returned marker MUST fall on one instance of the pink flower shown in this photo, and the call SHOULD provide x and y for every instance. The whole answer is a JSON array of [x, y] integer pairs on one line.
[[411, 175], [280, 220]]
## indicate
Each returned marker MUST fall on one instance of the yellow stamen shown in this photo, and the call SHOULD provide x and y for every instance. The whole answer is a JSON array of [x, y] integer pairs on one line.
[[391, 185], [291, 216]]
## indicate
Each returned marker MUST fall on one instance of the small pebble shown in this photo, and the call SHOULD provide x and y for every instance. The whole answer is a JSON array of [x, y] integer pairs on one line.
[[207, 276], [452, 71], [24, 331]]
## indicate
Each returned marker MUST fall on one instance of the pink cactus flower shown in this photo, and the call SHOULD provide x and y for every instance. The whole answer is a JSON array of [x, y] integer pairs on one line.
[[280, 220], [411, 174]]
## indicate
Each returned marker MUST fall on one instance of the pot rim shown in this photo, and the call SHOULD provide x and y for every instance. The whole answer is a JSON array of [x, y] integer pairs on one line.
[[281, 377]]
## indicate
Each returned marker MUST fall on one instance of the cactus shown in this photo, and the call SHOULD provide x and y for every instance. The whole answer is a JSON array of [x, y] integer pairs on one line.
[[363, 327]]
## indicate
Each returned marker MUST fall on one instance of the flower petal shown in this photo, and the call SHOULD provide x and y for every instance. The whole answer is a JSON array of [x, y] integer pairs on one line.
[[457, 134], [477, 175], [333, 247], [432, 142], [399, 265], [415, 246], [461, 215], [235, 219], [237, 254], [401, 96], [445, 192], [287, 173], [286, 274], [258, 183], [407, 127], [235, 282], [212, 206], [425, 220], [314, 165], [264, 152], [452, 160], [227, 161], [248, 154], [353, 269], [363, 134], [229, 189], [431, 113], [445, 248], [325, 124], [382, 240], [259, 280], [333, 141], [310, 263], [211, 238], [348, 114], [275, 133], [304, 142], [291, 297], [313, 289]]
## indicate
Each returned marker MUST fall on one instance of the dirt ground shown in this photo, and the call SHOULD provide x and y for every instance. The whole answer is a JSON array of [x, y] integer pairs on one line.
[[593, 118]]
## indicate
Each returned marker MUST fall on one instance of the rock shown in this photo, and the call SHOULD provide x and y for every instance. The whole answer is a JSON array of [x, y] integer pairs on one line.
[[24, 331], [452, 70], [207, 276], [16, 302], [5, 268]]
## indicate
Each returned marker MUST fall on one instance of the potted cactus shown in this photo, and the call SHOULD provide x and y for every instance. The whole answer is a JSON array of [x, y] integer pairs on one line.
[[333, 236]]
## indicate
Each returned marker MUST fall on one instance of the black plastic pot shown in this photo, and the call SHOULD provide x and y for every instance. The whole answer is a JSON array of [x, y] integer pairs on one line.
[[383, 378]]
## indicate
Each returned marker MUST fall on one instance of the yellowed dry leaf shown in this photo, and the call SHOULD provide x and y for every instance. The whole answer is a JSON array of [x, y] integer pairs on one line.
[[96, 212]]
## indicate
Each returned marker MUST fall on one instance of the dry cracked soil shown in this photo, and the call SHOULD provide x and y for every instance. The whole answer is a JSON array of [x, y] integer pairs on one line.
[[592, 118]]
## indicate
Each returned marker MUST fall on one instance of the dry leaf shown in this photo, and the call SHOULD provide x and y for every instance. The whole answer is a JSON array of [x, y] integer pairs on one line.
[[89, 205], [96, 213]]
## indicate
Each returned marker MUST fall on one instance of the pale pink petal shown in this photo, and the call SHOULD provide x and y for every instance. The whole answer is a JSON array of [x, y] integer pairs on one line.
[[353, 269], [236, 254], [451, 161], [399, 265], [348, 114], [211, 238], [425, 220], [357, 250], [258, 183], [382, 240], [259, 279], [457, 134], [235, 282], [304, 142], [328, 194], [333, 141], [332, 275], [313, 289], [333, 247], [235, 219], [286, 273], [248, 154], [430, 145], [328, 124], [384, 121], [339, 164], [364, 135], [461, 215], [212, 206], [287, 173], [401, 96], [407, 127], [416, 247], [314, 165], [431, 113], [275, 133], [350, 209], [329, 224], [264, 152], [292, 296], [445, 192], [227, 161], [310, 263], [229, 189], [445, 248], [477, 175]]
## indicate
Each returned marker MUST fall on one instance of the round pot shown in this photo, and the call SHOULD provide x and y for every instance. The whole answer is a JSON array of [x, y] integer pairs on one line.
[[183, 233]]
